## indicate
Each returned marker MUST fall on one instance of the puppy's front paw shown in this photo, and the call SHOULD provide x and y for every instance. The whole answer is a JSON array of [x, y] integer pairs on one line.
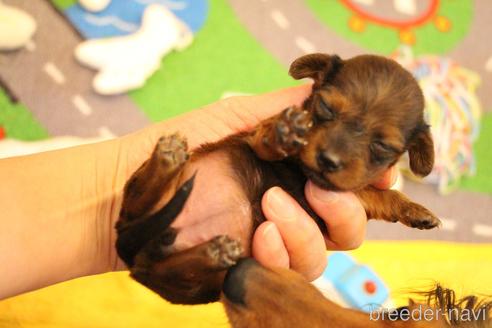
[[172, 150], [417, 216], [290, 131], [224, 251]]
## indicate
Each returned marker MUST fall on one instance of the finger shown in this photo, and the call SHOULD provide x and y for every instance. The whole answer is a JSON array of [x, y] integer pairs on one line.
[[244, 112], [343, 214], [268, 246], [302, 238], [388, 179]]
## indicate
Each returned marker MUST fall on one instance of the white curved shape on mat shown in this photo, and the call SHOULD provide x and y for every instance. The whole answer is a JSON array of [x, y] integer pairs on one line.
[[111, 20], [125, 62], [94, 5], [16, 27], [169, 4], [13, 147]]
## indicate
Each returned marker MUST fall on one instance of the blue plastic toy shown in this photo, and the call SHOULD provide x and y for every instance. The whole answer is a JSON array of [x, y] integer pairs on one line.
[[357, 285]]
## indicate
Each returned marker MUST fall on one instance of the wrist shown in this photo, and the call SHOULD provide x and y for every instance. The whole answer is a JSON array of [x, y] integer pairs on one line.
[[108, 198]]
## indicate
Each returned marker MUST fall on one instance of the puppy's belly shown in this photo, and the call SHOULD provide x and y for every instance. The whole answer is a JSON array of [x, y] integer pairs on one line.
[[217, 204]]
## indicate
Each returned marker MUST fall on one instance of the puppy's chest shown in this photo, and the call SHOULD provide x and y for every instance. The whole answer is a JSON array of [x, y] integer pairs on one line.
[[218, 204], [227, 194]]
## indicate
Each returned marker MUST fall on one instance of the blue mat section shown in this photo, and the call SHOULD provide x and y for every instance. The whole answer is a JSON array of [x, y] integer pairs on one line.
[[124, 17]]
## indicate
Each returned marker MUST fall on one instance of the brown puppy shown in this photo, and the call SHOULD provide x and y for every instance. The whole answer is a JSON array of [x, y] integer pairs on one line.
[[362, 115], [291, 301]]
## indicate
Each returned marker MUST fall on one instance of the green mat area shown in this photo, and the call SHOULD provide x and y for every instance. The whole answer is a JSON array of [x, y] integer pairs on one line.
[[18, 121], [482, 181], [63, 4]]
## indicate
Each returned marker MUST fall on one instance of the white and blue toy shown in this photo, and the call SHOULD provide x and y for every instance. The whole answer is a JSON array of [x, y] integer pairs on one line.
[[352, 285]]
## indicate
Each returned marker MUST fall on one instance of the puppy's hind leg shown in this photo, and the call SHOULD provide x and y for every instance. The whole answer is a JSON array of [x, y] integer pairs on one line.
[[140, 221], [147, 185], [192, 276], [135, 236]]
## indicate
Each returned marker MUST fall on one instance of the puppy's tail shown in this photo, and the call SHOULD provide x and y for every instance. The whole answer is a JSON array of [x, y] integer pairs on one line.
[[132, 238]]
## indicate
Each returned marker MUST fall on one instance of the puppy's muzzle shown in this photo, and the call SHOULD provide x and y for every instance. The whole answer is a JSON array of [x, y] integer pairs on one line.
[[329, 161]]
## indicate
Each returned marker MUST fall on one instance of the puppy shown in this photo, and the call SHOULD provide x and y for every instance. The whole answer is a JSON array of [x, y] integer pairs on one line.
[[362, 115], [290, 301]]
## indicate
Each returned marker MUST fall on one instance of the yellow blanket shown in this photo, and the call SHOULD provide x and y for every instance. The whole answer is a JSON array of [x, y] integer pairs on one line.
[[114, 300]]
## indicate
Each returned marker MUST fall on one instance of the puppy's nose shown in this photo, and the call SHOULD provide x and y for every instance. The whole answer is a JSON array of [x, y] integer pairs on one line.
[[235, 280], [329, 161]]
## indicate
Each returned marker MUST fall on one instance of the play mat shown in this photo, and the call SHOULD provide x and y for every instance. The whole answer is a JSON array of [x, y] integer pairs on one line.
[[212, 49]]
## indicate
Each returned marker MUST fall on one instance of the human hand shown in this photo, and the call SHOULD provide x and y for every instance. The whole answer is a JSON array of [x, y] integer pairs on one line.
[[290, 238]]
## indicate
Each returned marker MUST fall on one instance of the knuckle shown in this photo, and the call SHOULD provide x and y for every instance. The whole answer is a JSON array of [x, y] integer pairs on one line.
[[352, 244], [315, 268], [350, 241]]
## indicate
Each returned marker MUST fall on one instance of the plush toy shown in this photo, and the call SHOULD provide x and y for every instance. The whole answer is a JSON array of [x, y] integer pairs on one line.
[[16, 27], [125, 62]]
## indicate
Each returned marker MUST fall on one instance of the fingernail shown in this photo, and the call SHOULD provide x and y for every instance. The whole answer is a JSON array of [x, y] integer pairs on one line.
[[272, 236], [281, 204], [275, 244], [322, 195]]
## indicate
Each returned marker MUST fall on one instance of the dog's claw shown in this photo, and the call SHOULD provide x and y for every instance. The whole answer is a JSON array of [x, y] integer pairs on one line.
[[224, 251]]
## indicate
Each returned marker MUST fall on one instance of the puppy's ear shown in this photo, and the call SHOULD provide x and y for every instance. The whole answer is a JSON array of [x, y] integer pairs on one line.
[[319, 67], [421, 151]]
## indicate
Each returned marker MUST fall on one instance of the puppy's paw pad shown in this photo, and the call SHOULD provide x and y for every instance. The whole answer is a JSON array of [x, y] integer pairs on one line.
[[425, 223], [419, 217], [291, 129], [172, 150], [224, 251], [300, 120]]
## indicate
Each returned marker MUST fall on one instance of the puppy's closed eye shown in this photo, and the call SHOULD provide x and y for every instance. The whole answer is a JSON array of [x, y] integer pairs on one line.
[[382, 153], [324, 112]]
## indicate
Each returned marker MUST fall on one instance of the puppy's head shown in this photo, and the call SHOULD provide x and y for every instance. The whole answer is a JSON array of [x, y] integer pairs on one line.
[[367, 111]]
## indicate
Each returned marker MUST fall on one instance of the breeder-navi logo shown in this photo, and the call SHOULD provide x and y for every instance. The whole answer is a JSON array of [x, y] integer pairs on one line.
[[426, 313]]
